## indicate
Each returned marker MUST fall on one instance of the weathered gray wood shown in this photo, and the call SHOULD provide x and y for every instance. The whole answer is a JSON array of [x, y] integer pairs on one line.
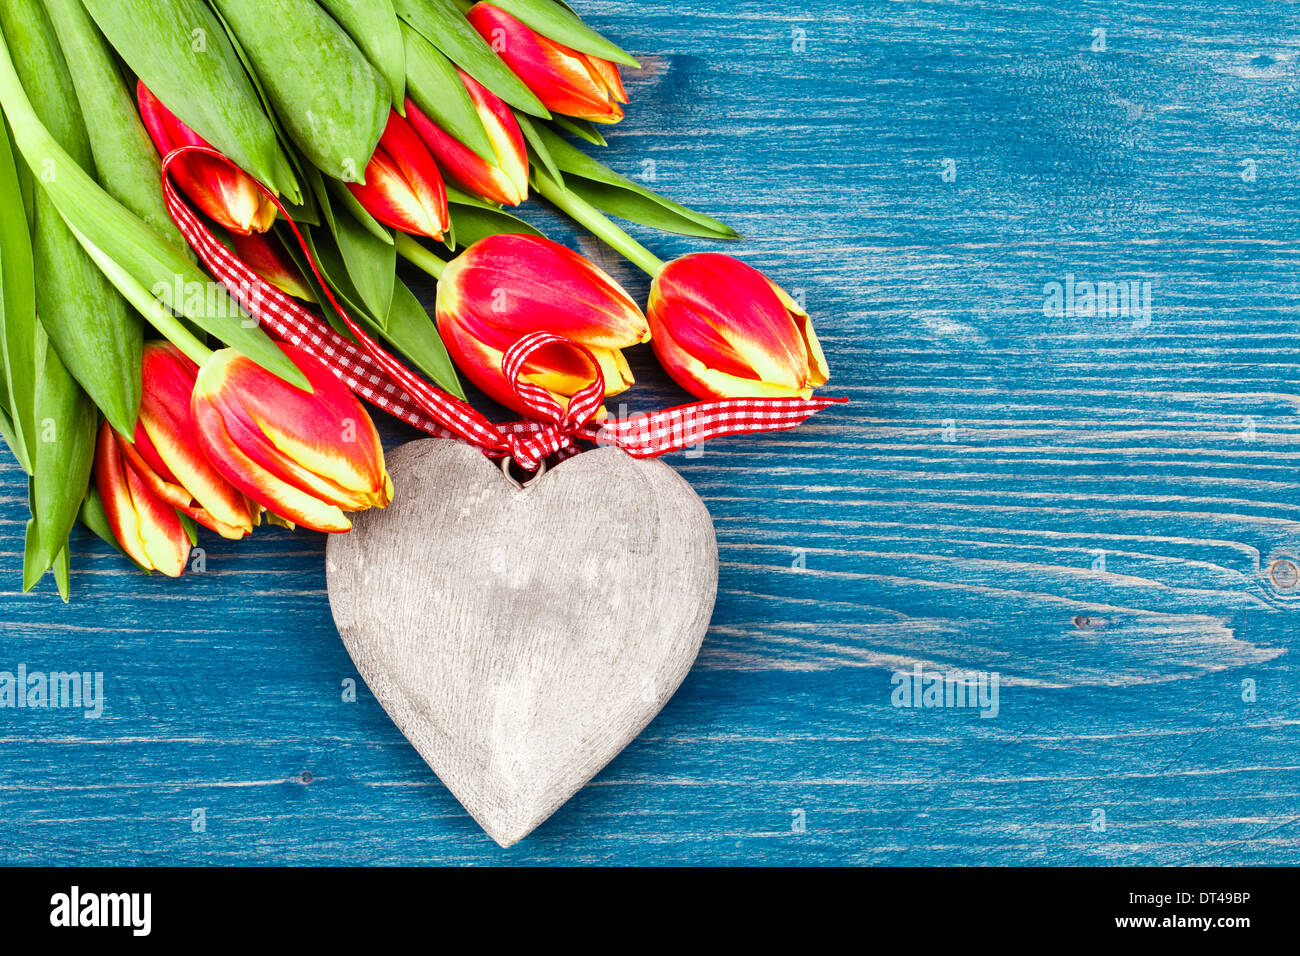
[[521, 637]]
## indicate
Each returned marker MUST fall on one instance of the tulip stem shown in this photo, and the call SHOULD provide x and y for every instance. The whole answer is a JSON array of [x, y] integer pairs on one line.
[[597, 223], [174, 331], [180, 336], [418, 256]]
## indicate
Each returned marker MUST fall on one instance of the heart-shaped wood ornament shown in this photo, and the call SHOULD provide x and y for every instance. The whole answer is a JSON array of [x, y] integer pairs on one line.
[[522, 636]]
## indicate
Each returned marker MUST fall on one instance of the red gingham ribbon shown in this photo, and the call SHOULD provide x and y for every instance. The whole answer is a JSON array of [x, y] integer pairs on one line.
[[379, 378]]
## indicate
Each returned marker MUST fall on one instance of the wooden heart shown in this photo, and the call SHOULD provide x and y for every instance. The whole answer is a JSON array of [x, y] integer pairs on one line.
[[521, 637]]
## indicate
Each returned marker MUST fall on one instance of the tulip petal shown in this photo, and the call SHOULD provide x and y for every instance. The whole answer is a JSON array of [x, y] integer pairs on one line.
[[162, 535], [608, 74], [563, 382], [614, 367], [403, 187], [560, 370], [504, 132], [732, 319], [326, 431], [504, 287], [504, 181], [181, 499], [119, 509], [818, 371], [477, 361], [260, 448], [277, 496], [705, 382], [511, 285], [565, 80], [147, 451], [146, 525], [266, 257], [305, 455], [172, 493], [166, 433]]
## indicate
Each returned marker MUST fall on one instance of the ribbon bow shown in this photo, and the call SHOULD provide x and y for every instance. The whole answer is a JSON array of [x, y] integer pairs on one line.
[[559, 426]]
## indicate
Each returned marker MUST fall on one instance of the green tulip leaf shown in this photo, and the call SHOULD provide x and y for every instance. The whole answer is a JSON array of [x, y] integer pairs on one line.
[[476, 222], [290, 243], [326, 192], [656, 212], [333, 104], [459, 196], [370, 263], [374, 27], [95, 519], [439, 22], [581, 128], [413, 333], [406, 326], [341, 194], [65, 452], [180, 51], [539, 152], [626, 198], [125, 159], [33, 570], [191, 528], [86, 319], [329, 259], [104, 225], [302, 207], [82, 313], [17, 313], [63, 573], [7, 433]]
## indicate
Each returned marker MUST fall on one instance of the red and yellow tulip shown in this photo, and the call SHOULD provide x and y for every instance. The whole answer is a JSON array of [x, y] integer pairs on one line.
[[144, 523], [503, 287], [565, 80], [146, 483], [307, 457], [504, 180], [222, 192], [166, 451], [722, 329], [403, 187]]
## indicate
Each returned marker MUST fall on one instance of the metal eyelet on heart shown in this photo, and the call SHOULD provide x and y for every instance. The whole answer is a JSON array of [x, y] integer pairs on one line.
[[506, 464]]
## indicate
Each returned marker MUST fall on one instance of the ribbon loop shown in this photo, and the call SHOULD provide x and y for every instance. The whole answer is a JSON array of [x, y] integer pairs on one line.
[[582, 406]]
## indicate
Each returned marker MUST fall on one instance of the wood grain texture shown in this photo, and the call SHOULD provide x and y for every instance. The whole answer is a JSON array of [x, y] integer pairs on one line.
[[520, 636], [1099, 508]]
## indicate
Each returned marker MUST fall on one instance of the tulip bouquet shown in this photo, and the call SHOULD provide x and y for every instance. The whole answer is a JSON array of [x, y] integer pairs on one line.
[[321, 142]]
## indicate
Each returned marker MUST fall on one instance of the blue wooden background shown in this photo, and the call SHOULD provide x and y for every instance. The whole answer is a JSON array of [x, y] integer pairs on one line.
[[1098, 508]]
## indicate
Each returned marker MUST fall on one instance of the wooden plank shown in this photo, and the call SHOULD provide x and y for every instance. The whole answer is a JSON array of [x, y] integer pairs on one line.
[[1098, 508]]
